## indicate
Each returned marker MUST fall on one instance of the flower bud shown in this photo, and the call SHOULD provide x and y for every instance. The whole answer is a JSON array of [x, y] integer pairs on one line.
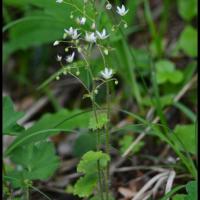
[[108, 6], [125, 25], [93, 26], [106, 51], [79, 49], [64, 35], [71, 16], [56, 43], [65, 71]]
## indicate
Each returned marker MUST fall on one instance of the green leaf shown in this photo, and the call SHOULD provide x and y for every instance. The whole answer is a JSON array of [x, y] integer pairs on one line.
[[191, 188], [38, 161], [88, 165], [98, 123], [164, 100], [85, 185], [186, 110], [186, 138], [85, 142], [188, 41], [142, 58], [179, 197], [165, 71], [46, 18], [174, 190], [187, 9], [189, 71], [16, 178], [10, 117], [89, 160], [132, 5], [51, 124], [32, 162]]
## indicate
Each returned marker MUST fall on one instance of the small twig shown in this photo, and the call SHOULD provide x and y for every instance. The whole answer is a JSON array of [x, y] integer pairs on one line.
[[148, 185], [147, 195], [142, 177], [170, 181], [158, 185], [42, 193], [125, 169]]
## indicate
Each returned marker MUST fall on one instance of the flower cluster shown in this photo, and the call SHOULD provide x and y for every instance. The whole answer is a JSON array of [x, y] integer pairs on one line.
[[80, 38], [121, 11]]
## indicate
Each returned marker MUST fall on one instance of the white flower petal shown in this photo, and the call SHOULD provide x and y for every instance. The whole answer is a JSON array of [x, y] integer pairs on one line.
[[70, 58], [56, 43], [90, 37], [102, 35], [59, 1], [108, 6], [107, 73], [122, 11], [59, 58]]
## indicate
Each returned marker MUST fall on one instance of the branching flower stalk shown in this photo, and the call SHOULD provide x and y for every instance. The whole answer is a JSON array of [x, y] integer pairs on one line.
[[82, 42]]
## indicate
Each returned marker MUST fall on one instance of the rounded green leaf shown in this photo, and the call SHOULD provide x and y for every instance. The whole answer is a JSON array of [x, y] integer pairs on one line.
[[188, 41], [166, 71], [187, 9], [175, 77], [185, 134]]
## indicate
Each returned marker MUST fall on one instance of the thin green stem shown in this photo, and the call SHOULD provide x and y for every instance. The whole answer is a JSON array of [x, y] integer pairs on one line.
[[96, 118], [26, 193], [83, 84], [34, 188], [107, 139], [78, 9], [104, 60], [152, 28], [6, 184]]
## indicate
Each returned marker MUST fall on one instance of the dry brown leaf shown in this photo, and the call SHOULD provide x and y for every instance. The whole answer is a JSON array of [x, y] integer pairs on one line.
[[127, 193]]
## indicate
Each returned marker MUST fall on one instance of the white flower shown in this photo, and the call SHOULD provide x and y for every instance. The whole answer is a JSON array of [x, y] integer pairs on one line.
[[90, 37], [107, 73], [75, 34], [59, 1], [59, 58], [56, 43], [82, 20], [122, 11], [108, 6], [102, 35], [70, 31], [70, 58]]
